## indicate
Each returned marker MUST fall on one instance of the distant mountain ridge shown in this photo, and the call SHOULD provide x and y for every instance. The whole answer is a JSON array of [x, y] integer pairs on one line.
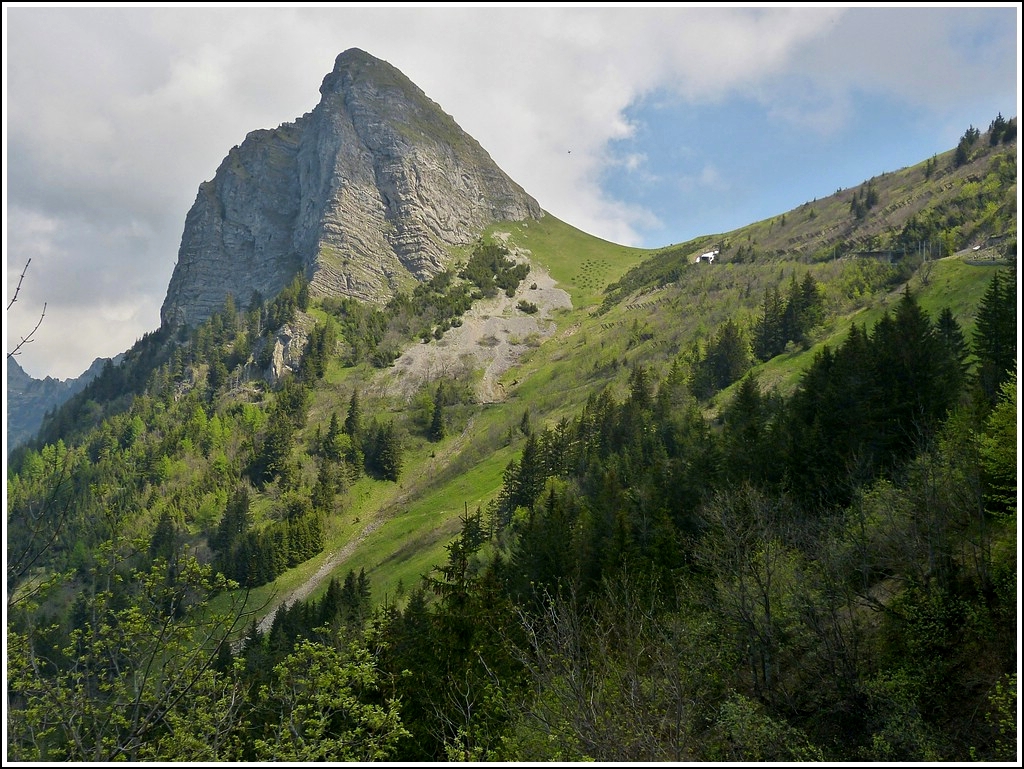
[[366, 194], [29, 399]]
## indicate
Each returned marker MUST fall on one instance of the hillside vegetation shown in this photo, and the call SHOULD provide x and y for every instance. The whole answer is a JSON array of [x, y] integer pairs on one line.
[[762, 509]]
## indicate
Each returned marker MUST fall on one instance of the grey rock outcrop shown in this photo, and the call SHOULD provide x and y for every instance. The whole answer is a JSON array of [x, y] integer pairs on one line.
[[365, 194]]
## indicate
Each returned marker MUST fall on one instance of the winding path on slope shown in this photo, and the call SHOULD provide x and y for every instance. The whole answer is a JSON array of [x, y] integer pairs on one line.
[[380, 516], [493, 336]]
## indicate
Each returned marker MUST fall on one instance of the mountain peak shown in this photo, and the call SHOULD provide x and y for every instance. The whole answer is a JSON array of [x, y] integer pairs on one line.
[[357, 64], [366, 194], [352, 55]]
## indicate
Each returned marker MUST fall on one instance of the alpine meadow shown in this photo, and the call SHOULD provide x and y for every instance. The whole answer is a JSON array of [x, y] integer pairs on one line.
[[414, 471]]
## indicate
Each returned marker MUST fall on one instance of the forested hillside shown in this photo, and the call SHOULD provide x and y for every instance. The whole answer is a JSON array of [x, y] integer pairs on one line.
[[762, 509]]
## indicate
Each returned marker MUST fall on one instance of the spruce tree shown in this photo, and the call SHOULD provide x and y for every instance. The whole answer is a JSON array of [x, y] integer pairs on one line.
[[163, 543], [387, 452], [331, 446], [353, 422], [769, 336], [995, 335], [436, 430], [952, 337], [996, 130]]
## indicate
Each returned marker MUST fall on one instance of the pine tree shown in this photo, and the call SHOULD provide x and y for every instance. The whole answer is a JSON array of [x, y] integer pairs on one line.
[[917, 380], [272, 461], [437, 430], [327, 482], [163, 543], [996, 130], [363, 588], [524, 423], [769, 334], [230, 314], [330, 609], [331, 446], [350, 603], [217, 376], [810, 304], [995, 335], [726, 360], [234, 523], [747, 455], [353, 422], [529, 480], [952, 337], [387, 452]]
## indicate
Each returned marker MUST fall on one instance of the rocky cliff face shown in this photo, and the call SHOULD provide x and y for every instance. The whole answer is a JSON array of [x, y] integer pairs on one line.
[[364, 194]]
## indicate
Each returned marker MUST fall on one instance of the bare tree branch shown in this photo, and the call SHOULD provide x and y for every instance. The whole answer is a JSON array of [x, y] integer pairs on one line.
[[17, 290]]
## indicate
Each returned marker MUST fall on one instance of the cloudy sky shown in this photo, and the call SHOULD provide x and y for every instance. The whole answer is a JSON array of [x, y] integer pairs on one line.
[[644, 126]]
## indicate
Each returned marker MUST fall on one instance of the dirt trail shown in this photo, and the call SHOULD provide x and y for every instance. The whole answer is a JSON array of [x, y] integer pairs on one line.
[[326, 569], [380, 516]]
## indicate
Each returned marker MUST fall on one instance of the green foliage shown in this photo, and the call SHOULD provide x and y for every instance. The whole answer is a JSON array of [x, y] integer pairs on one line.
[[319, 350], [354, 417], [899, 732], [1003, 717], [315, 709], [136, 656], [864, 200], [282, 309], [664, 267], [875, 399], [490, 269], [748, 733], [998, 449], [964, 147], [781, 322], [384, 451], [995, 334], [724, 361], [436, 431]]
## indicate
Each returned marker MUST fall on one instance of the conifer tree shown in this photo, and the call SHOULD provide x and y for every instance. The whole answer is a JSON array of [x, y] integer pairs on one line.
[[996, 130], [747, 452], [331, 605], [952, 337], [995, 335], [384, 452], [769, 333], [331, 447], [234, 523], [726, 360], [354, 419], [437, 429], [163, 543]]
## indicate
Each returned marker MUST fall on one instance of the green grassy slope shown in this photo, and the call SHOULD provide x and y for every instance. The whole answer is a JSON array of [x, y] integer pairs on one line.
[[634, 307], [652, 321]]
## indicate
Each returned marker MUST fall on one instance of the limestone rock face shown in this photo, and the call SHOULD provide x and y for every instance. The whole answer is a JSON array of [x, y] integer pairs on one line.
[[363, 195]]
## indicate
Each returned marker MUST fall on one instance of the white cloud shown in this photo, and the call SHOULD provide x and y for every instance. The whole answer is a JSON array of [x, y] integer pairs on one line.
[[634, 161], [115, 115]]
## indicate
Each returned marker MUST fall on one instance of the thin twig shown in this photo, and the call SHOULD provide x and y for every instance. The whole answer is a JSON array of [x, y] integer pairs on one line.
[[17, 290]]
